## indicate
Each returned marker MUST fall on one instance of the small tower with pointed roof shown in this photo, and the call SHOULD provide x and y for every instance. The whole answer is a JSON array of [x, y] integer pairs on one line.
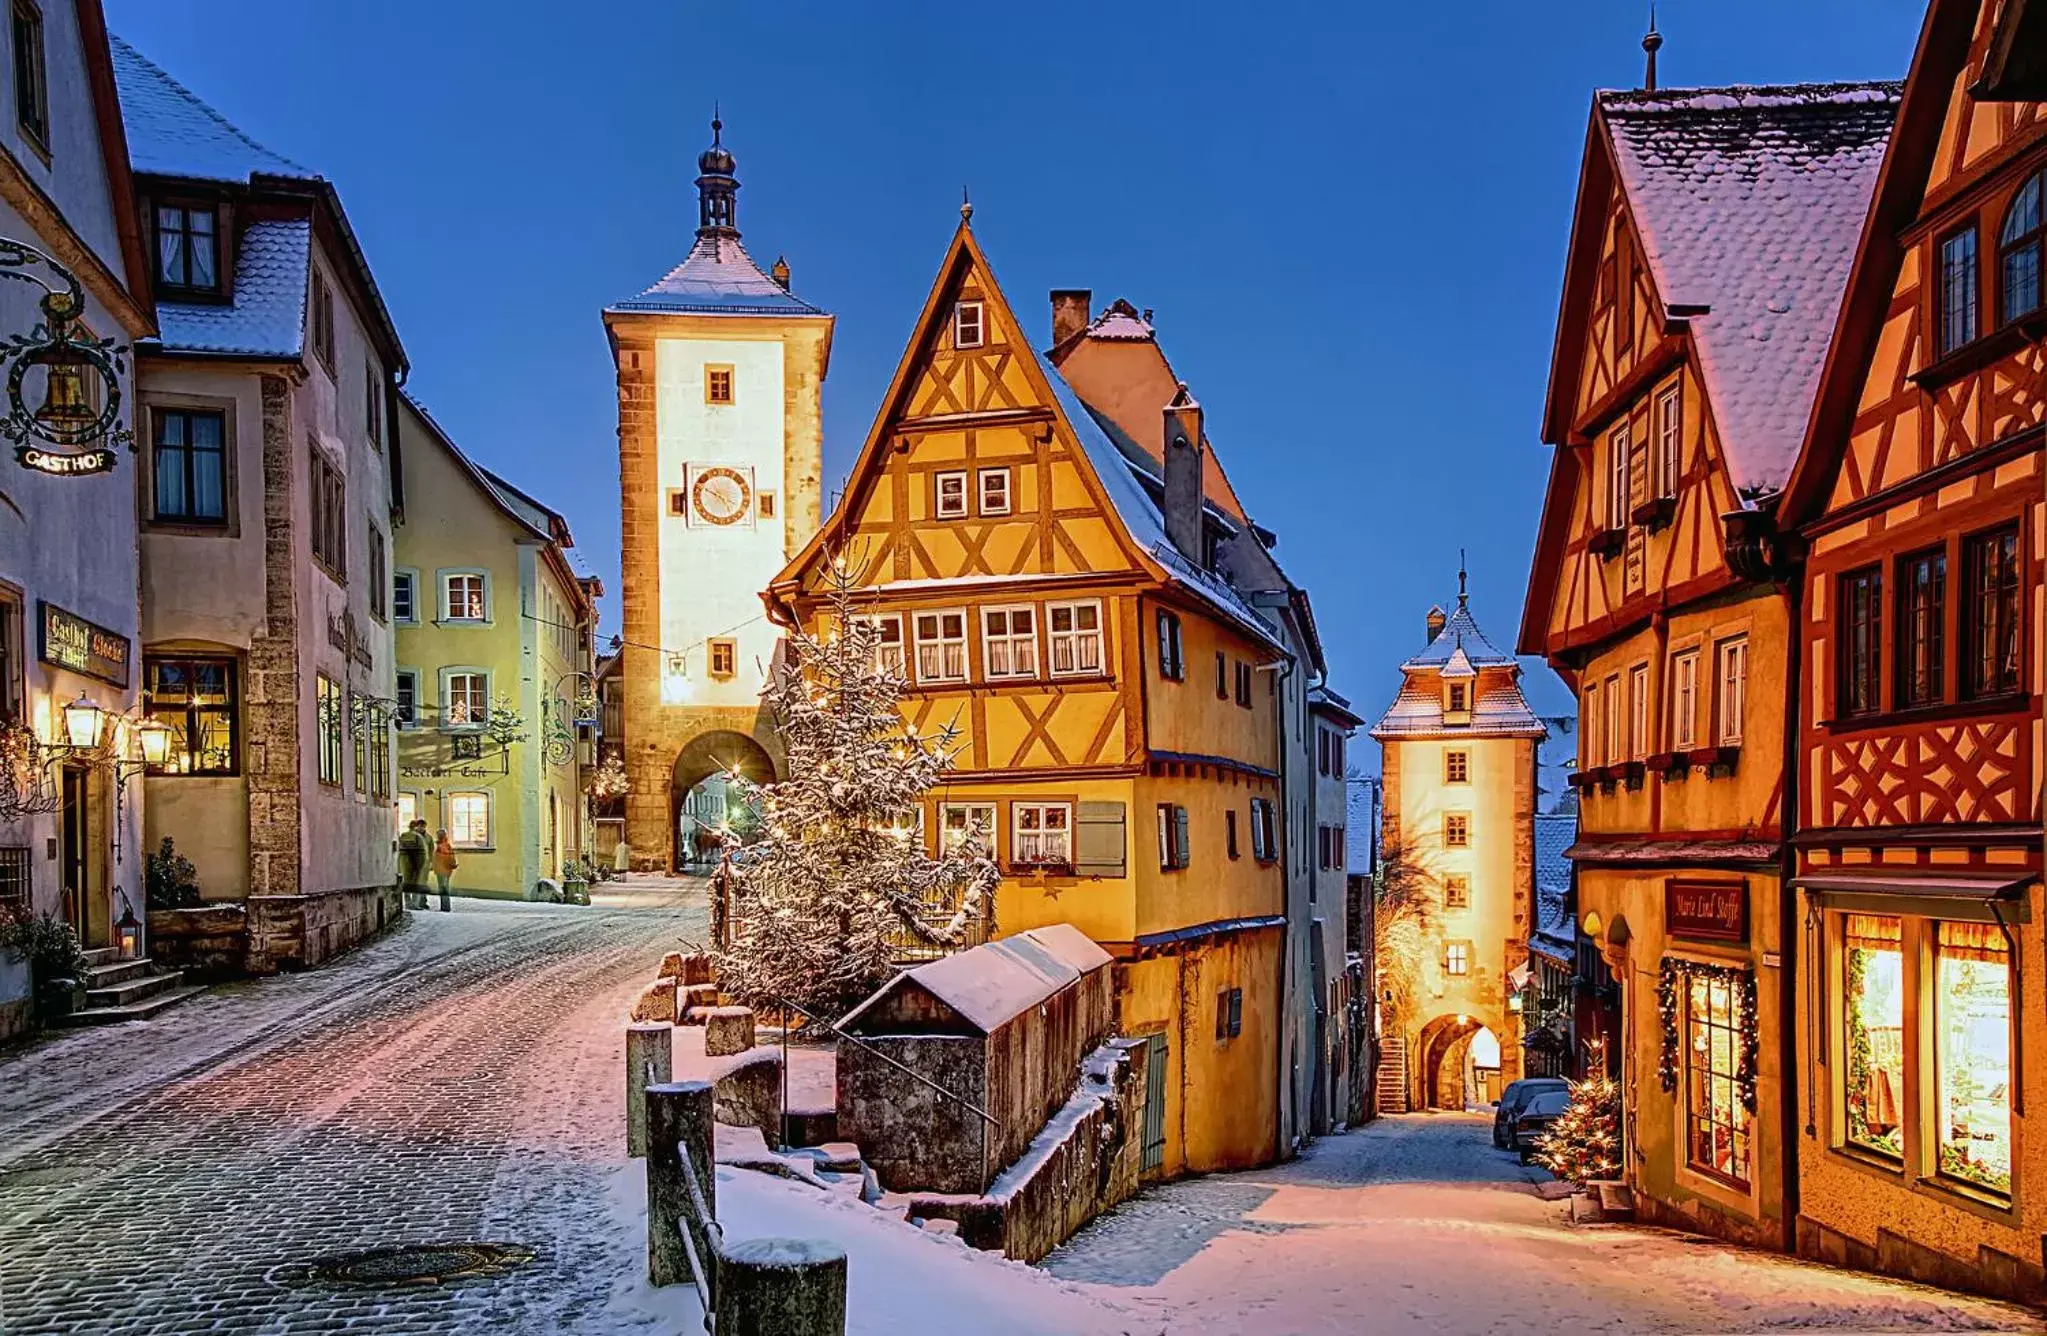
[[1458, 749], [721, 371]]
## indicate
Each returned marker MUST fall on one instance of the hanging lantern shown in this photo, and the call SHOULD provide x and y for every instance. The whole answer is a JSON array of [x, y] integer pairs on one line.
[[128, 933], [82, 721], [153, 736]]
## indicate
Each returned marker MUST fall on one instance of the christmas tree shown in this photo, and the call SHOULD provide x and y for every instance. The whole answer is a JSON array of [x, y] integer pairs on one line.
[[839, 880], [1584, 1143]]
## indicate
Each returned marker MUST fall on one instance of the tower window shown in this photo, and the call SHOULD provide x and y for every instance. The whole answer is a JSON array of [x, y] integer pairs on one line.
[[1456, 767], [764, 505], [717, 384], [1457, 830], [678, 502], [724, 658], [969, 328]]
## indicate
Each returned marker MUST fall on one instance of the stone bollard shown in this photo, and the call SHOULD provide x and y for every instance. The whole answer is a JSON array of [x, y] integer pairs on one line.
[[656, 1002], [692, 1000], [678, 1113], [648, 1045], [727, 1030], [782, 1287], [696, 968], [671, 966]]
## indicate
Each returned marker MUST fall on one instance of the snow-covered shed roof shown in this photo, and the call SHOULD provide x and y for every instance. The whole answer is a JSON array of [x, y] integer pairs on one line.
[[1749, 202], [1554, 833], [172, 133], [718, 277], [998, 981]]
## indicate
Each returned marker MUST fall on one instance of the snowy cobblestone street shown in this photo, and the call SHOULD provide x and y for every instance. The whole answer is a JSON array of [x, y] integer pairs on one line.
[[455, 1081]]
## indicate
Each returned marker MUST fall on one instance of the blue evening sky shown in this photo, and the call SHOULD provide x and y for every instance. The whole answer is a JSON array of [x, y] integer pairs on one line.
[[1350, 219]]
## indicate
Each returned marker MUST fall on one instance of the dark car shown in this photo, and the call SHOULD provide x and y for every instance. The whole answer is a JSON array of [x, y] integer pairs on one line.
[[1513, 1099], [1535, 1118]]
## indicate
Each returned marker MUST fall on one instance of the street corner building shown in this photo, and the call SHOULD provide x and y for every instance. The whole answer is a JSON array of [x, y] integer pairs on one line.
[[1918, 499], [1458, 762], [495, 698], [1045, 584], [721, 372], [267, 496], [70, 819]]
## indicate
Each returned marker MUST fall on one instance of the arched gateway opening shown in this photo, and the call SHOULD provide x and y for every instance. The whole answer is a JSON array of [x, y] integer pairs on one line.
[[703, 802], [1459, 1064]]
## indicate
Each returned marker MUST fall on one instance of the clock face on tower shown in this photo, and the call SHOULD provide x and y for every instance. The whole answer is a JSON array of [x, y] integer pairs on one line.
[[720, 495]]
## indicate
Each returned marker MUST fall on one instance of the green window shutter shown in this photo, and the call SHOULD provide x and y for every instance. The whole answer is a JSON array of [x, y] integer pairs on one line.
[[1099, 840], [1182, 851]]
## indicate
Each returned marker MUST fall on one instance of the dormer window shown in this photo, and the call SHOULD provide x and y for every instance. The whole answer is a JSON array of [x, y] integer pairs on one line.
[[969, 328], [1458, 700], [188, 248]]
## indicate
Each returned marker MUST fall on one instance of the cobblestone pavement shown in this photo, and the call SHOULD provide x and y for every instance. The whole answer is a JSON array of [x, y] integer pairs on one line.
[[1416, 1224], [458, 1080]]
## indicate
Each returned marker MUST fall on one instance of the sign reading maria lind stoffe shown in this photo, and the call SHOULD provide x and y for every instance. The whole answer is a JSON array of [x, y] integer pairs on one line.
[[67, 640], [1706, 911]]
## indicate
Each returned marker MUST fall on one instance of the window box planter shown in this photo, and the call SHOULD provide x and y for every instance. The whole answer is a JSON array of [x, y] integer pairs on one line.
[[1049, 868], [1631, 773], [1672, 764], [1655, 514], [1717, 758], [1579, 779], [1608, 542]]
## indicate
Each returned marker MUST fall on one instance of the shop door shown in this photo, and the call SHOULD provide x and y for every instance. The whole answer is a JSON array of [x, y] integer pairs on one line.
[[74, 870]]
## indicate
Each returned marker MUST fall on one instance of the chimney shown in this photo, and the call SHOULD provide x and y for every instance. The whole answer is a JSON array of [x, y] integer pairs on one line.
[[780, 273], [1184, 464], [1437, 621], [1069, 313]]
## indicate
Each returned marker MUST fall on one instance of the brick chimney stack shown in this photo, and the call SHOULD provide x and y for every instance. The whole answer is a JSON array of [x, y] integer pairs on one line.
[[1070, 313], [1186, 458]]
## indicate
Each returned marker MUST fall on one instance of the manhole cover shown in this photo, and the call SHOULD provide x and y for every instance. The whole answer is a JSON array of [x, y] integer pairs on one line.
[[421, 1263]]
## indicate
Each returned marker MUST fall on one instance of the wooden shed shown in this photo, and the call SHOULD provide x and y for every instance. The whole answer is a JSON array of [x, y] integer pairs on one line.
[[1001, 1028]]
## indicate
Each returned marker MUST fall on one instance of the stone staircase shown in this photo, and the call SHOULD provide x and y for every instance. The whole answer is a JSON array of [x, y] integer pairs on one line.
[[1392, 1075], [127, 990]]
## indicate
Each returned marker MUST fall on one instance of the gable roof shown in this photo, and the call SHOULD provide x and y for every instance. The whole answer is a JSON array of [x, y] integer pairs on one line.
[[1460, 650], [718, 277], [1142, 526], [172, 133], [532, 517], [992, 984], [1937, 61], [1747, 202], [1460, 636]]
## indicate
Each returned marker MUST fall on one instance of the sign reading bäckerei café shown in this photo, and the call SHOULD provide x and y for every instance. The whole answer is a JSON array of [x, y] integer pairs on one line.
[[67, 640], [1706, 911]]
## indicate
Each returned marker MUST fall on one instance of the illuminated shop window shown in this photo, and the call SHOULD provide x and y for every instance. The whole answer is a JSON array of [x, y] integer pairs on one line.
[[1972, 1038], [1873, 981]]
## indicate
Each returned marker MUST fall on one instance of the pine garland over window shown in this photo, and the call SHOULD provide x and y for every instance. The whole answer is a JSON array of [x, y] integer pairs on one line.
[[1674, 975]]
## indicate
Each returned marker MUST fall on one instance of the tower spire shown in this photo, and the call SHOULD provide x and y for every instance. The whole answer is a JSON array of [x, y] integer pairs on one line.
[[717, 186], [1461, 595], [1652, 42]]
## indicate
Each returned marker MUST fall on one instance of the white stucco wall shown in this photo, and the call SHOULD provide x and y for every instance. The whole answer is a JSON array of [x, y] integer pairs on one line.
[[712, 575]]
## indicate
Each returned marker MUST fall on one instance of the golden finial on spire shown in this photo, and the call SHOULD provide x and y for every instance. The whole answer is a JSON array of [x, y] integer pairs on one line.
[[966, 207]]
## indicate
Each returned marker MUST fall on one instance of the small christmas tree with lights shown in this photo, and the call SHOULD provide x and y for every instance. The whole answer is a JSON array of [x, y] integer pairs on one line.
[[1584, 1144], [839, 881]]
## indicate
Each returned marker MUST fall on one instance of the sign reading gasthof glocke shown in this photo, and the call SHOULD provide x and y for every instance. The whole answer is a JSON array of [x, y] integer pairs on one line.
[[1706, 911]]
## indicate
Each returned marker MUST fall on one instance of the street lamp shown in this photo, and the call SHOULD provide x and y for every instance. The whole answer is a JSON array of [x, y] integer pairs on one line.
[[153, 736], [83, 719]]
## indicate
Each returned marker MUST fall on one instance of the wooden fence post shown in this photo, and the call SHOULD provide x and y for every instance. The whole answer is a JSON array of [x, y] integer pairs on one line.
[[648, 1045], [782, 1287], [679, 1113]]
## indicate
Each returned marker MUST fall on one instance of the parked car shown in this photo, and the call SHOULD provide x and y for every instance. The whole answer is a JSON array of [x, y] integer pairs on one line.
[[1513, 1099], [1535, 1118]]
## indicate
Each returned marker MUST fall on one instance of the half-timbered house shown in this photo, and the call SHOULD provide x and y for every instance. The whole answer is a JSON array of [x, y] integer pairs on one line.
[[1713, 234], [1919, 503], [1115, 700]]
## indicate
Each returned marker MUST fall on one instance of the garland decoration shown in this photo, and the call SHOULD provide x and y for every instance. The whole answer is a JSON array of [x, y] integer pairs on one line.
[[1673, 975]]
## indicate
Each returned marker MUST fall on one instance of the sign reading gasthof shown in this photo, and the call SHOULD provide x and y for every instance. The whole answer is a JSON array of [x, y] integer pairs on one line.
[[68, 641], [1706, 911]]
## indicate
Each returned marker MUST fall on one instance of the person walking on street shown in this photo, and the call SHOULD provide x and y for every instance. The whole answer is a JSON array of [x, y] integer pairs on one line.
[[444, 864], [622, 857], [414, 850]]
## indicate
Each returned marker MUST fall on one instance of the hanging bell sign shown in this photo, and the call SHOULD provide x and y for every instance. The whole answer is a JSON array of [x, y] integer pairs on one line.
[[76, 429]]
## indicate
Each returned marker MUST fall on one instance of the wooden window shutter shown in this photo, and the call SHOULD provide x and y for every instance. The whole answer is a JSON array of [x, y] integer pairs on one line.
[[1236, 1012], [1182, 851], [1099, 840], [1222, 1014]]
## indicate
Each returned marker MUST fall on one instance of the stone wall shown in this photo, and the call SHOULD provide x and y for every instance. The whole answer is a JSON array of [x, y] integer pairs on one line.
[[296, 932], [910, 1135], [270, 713], [207, 944]]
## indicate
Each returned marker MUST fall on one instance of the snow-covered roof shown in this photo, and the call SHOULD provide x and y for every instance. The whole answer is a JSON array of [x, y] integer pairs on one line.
[[1460, 634], [172, 133], [998, 981], [1554, 833], [1361, 826], [1120, 320], [718, 277], [268, 315], [1750, 203], [1499, 710]]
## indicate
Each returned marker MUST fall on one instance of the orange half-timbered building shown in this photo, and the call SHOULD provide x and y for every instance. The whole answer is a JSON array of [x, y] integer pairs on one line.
[[1708, 255], [1919, 503], [1115, 701]]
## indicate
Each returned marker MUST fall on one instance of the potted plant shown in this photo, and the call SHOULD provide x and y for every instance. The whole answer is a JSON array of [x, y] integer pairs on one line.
[[170, 879], [56, 961], [575, 882]]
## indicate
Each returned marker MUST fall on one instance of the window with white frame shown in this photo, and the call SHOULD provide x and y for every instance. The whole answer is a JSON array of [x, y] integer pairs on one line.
[[1457, 957], [1042, 834], [1684, 700], [1264, 831], [1733, 679], [888, 643], [1638, 712], [950, 495], [1174, 850], [465, 699], [1617, 478], [469, 820], [405, 596], [1076, 637], [994, 491], [969, 325], [1588, 729], [465, 596], [1669, 441], [405, 709], [960, 822], [1009, 641], [941, 646], [1611, 719]]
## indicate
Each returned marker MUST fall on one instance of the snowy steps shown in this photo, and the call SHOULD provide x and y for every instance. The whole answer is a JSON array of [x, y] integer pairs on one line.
[[1603, 1202], [119, 990]]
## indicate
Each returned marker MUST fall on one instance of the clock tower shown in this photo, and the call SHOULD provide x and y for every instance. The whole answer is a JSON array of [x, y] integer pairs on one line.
[[721, 369]]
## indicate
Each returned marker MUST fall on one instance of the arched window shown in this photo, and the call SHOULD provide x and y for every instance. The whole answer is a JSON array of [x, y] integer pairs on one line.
[[2020, 246]]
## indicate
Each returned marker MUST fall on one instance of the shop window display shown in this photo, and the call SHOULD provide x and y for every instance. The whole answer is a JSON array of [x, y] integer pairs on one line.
[[1717, 1119], [1972, 1032], [1873, 1012]]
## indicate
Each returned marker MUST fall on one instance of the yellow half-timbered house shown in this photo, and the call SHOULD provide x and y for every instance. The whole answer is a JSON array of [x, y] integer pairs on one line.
[[1116, 702]]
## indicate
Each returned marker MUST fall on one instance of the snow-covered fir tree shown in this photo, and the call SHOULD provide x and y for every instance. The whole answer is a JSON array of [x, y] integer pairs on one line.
[[1584, 1143], [837, 878]]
